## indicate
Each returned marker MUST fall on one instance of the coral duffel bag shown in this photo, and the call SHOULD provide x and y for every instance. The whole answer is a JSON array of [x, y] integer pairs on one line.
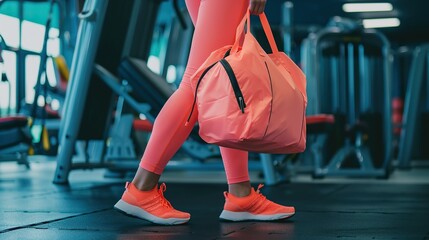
[[250, 100]]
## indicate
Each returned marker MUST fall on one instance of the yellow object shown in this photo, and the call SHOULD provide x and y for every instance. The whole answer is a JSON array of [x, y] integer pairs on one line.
[[45, 139], [29, 121], [31, 151], [62, 67]]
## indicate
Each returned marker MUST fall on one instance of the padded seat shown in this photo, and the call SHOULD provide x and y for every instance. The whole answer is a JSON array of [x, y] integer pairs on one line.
[[319, 123], [13, 122], [12, 131]]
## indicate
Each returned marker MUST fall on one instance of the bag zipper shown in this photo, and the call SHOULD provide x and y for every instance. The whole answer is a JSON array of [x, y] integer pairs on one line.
[[234, 83]]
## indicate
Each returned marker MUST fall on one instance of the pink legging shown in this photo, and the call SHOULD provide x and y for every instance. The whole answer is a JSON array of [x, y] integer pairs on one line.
[[215, 24]]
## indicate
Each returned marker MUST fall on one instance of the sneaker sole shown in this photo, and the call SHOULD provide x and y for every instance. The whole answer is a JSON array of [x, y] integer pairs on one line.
[[134, 211], [246, 216]]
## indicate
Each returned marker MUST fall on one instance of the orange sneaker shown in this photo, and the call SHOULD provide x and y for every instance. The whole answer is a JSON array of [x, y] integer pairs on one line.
[[150, 205], [253, 207]]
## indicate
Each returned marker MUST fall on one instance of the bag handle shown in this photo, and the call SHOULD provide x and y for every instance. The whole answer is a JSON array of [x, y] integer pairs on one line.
[[240, 28], [265, 26], [268, 32]]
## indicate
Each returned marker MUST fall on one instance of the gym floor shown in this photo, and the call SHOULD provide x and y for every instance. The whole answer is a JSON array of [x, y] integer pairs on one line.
[[34, 208]]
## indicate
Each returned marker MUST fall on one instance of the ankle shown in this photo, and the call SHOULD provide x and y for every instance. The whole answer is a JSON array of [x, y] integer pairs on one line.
[[144, 187], [145, 180], [241, 189]]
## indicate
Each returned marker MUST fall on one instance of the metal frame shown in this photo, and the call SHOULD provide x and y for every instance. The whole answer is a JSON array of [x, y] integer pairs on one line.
[[311, 55], [413, 103], [92, 18], [286, 27]]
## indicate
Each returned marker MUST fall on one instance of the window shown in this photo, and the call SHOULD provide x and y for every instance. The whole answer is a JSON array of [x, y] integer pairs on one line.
[[32, 30]]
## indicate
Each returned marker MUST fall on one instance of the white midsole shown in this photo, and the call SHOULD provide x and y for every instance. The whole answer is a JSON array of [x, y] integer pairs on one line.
[[242, 216], [140, 213]]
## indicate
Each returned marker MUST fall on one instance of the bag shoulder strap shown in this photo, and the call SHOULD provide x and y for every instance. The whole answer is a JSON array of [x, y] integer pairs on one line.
[[268, 32]]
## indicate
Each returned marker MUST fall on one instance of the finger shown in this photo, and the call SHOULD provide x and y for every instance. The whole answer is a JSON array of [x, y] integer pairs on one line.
[[254, 7], [261, 6]]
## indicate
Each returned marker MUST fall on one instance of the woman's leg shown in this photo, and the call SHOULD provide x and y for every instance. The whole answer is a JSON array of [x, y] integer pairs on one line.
[[215, 25], [236, 169]]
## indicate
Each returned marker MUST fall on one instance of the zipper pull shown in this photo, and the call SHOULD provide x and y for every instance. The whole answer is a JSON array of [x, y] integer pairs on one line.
[[241, 102]]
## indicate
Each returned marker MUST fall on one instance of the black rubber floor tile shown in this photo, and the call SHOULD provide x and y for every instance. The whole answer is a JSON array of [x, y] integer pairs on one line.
[[335, 225], [187, 231], [73, 201], [17, 188], [45, 234], [400, 192], [17, 218]]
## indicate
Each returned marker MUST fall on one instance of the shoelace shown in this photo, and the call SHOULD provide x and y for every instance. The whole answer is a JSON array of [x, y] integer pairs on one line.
[[259, 188], [258, 191], [164, 202], [261, 198]]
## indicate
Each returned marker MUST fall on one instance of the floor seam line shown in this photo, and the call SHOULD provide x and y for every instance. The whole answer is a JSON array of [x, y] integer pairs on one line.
[[51, 221]]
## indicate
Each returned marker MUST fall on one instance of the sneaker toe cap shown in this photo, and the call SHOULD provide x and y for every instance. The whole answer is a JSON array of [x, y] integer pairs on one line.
[[289, 209], [176, 214], [282, 209]]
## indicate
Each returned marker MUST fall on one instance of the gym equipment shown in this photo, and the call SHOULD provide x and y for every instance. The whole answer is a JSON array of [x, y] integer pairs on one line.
[[180, 34], [14, 133], [286, 27], [402, 59], [44, 143], [348, 72], [41, 89], [15, 139], [89, 33], [413, 105], [3, 76]]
